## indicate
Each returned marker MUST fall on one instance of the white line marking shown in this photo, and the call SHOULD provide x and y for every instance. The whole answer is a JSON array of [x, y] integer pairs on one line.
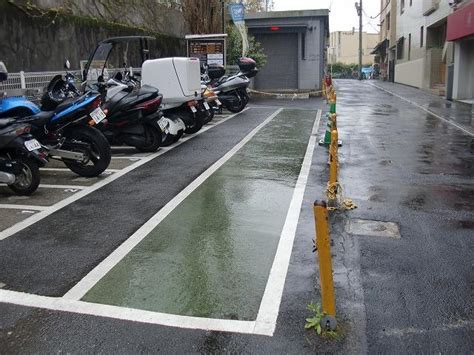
[[83, 286], [75, 187], [270, 305], [118, 157], [262, 326], [67, 170], [129, 314], [50, 186], [22, 207], [57, 206], [426, 110]]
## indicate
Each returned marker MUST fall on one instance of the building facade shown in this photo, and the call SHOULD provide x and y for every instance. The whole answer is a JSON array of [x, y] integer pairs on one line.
[[423, 53], [344, 47], [461, 33], [385, 50], [295, 43]]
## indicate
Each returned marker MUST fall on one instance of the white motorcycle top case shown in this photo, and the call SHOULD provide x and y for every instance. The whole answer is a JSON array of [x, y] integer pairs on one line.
[[177, 78]]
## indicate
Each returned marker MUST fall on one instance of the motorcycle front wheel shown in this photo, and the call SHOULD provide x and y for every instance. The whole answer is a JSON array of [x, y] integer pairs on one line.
[[97, 158], [28, 180]]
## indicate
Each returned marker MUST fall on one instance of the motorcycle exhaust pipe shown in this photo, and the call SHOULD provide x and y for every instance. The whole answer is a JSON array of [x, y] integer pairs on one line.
[[67, 154], [7, 178]]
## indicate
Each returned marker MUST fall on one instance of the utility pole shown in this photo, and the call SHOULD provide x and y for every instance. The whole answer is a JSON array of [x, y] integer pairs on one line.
[[359, 12], [223, 15]]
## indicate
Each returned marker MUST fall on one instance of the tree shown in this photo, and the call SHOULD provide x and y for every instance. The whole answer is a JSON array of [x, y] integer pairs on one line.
[[202, 16], [234, 48], [258, 5]]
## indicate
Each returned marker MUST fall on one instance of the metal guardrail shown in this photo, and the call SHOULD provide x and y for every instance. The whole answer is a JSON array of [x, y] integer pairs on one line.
[[33, 83]]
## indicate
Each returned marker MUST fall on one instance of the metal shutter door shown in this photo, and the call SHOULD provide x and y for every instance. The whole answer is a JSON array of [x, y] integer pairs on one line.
[[281, 70]]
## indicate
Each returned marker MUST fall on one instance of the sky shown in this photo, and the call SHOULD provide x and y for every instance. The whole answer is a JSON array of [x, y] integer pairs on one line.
[[343, 15]]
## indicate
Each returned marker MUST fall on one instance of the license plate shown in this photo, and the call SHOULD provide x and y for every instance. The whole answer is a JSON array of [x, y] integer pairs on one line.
[[206, 105], [193, 109], [162, 123], [98, 115], [32, 144], [218, 102]]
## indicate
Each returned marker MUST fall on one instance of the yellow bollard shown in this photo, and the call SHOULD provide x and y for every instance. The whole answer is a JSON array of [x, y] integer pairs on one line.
[[333, 158], [333, 121], [323, 244]]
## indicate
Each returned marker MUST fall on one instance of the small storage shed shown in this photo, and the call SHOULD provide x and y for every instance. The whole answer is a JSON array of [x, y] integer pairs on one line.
[[295, 43]]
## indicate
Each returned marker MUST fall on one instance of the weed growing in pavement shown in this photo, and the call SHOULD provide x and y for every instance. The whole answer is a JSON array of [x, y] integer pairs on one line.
[[315, 320]]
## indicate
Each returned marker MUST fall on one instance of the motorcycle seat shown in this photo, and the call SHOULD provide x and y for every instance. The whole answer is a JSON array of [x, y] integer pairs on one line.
[[147, 90], [4, 122], [65, 104], [41, 118]]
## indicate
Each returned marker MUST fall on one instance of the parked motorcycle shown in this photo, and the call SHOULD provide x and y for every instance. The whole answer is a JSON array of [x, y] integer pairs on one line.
[[179, 81], [133, 116], [20, 154], [232, 90], [68, 131]]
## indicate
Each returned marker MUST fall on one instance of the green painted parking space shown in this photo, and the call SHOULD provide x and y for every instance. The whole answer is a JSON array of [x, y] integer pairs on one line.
[[212, 255]]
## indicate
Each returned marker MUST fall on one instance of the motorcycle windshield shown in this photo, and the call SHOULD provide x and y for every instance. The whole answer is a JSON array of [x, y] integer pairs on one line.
[[114, 55], [96, 65]]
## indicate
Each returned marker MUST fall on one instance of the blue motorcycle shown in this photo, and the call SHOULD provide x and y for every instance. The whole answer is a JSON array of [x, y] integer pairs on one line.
[[66, 130]]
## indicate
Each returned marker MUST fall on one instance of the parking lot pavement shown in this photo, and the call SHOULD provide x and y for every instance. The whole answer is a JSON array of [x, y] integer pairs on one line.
[[58, 184]]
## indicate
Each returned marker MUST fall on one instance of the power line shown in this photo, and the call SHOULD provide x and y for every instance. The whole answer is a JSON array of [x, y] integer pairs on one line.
[[374, 17]]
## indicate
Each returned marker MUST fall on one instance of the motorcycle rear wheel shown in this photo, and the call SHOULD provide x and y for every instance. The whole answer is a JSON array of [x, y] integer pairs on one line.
[[236, 107], [28, 180], [100, 152]]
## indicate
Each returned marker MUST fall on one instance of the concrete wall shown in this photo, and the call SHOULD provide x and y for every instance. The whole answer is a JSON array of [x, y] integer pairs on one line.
[[411, 73], [310, 69], [154, 15], [42, 43], [463, 85]]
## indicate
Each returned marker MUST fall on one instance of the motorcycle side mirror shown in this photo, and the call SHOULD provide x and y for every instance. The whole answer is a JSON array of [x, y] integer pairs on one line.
[[3, 72], [67, 65]]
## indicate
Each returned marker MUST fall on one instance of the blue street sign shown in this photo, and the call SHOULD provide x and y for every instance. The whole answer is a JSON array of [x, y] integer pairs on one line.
[[237, 12]]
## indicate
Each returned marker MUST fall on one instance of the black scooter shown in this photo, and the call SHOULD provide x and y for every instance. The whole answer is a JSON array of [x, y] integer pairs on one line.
[[20, 157], [133, 115]]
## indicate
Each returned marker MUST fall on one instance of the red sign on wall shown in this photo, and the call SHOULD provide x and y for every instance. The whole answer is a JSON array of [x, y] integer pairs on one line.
[[461, 23]]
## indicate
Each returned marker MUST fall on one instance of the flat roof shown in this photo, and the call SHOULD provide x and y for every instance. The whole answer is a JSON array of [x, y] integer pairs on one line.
[[286, 14]]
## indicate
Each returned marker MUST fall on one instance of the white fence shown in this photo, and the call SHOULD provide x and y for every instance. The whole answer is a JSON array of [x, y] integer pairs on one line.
[[32, 83]]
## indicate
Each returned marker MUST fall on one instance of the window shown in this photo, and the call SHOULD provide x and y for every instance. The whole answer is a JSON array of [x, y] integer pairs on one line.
[[422, 30], [388, 21], [409, 45], [402, 7], [303, 46], [411, 2], [400, 43]]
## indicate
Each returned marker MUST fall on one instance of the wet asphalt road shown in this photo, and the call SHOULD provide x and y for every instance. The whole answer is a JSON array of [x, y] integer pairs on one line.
[[411, 294]]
